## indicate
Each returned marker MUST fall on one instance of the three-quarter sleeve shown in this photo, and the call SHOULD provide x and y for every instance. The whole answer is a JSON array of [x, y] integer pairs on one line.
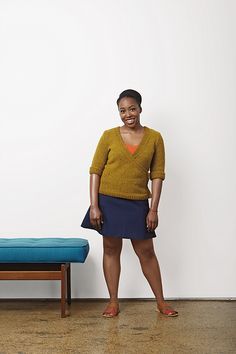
[[100, 156], [157, 168]]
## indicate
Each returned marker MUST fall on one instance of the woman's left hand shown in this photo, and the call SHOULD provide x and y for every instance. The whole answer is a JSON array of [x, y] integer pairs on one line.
[[152, 220]]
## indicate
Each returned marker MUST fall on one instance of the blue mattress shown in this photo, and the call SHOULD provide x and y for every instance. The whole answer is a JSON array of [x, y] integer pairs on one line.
[[43, 250]]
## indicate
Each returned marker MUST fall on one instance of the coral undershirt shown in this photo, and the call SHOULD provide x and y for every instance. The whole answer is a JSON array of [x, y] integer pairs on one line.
[[131, 148]]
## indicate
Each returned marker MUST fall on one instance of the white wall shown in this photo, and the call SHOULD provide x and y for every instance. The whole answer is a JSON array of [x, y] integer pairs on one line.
[[62, 66]]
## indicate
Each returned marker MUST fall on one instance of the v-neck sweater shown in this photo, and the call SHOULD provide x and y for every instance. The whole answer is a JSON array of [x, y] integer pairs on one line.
[[126, 175]]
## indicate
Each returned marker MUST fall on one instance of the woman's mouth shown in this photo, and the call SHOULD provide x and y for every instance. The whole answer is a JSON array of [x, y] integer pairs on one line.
[[130, 121]]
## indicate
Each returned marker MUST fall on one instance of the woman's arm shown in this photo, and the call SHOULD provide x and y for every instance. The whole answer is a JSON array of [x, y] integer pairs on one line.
[[96, 170], [95, 213], [157, 175], [152, 217]]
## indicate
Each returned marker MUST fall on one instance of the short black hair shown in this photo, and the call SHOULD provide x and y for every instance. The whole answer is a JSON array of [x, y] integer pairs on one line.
[[130, 93]]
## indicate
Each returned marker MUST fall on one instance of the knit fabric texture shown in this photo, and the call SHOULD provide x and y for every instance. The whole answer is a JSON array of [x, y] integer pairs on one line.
[[126, 175]]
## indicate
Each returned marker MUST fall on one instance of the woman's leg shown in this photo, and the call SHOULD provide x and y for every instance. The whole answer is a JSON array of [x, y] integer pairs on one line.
[[111, 266], [150, 267]]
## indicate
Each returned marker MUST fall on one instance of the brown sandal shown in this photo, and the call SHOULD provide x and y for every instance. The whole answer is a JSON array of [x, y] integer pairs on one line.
[[167, 310], [112, 309]]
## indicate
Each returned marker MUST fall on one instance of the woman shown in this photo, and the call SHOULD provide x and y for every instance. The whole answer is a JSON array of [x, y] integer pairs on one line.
[[124, 159]]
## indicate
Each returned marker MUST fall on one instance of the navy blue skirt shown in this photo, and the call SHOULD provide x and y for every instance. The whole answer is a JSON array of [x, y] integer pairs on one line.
[[124, 218]]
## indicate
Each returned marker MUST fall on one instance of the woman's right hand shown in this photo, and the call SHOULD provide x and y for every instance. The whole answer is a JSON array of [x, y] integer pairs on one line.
[[96, 219]]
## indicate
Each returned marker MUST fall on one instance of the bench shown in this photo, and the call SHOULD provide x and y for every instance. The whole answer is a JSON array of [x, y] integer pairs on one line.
[[42, 259]]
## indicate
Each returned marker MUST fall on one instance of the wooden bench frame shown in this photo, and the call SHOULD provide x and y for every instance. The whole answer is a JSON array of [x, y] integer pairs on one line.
[[41, 271]]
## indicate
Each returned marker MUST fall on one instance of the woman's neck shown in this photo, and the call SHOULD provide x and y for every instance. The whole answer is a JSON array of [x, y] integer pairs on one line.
[[136, 129]]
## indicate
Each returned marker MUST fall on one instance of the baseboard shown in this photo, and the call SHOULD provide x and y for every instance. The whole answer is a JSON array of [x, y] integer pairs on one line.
[[125, 299]]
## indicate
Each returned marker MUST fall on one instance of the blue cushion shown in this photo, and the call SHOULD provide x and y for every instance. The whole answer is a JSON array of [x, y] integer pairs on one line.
[[43, 250]]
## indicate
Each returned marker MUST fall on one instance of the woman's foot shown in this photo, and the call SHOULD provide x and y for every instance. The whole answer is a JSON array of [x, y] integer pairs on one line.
[[165, 309], [112, 309]]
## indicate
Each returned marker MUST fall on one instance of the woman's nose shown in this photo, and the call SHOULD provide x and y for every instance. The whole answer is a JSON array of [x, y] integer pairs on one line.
[[127, 114]]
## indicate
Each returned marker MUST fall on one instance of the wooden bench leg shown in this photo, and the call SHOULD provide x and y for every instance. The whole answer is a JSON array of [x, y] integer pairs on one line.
[[63, 289], [69, 284], [41, 271]]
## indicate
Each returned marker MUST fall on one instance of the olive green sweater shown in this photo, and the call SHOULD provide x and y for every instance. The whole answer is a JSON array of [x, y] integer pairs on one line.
[[126, 175]]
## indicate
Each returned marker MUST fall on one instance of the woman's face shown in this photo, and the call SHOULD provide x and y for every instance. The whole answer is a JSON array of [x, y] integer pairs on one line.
[[129, 112]]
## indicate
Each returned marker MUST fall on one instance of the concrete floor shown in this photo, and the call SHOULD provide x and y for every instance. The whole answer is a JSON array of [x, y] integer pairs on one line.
[[35, 327]]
